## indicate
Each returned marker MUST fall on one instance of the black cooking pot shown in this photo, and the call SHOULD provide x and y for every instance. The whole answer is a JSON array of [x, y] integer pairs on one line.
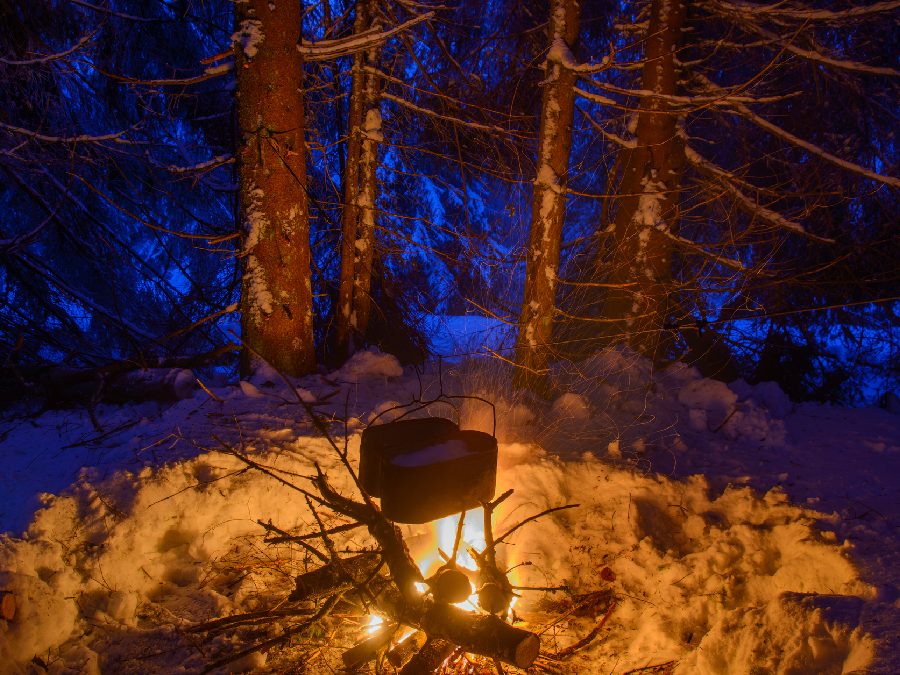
[[425, 469]]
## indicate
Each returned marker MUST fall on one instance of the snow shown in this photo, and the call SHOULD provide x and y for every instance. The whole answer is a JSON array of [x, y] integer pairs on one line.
[[220, 69], [372, 125], [561, 54], [649, 210], [574, 406], [260, 299], [368, 364], [711, 397], [763, 540], [249, 36]]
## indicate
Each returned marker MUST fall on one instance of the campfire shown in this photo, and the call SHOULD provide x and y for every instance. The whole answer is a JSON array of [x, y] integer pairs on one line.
[[437, 600]]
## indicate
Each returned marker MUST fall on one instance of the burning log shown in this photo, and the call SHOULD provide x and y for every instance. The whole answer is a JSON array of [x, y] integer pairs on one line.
[[449, 585], [429, 658], [482, 634], [400, 654], [486, 635], [495, 592], [368, 649]]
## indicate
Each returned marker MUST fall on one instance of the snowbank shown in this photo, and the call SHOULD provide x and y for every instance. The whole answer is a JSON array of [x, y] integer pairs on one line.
[[708, 572], [368, 364]]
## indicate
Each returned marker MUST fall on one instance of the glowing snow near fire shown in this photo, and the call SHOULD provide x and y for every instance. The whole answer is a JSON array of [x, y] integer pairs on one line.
[[746, 568]]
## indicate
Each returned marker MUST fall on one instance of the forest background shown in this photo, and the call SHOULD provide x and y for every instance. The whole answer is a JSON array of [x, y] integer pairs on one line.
[[710, 180]]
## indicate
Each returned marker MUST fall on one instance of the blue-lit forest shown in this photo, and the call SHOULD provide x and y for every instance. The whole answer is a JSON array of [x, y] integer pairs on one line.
[[655, 242], [730, 199]]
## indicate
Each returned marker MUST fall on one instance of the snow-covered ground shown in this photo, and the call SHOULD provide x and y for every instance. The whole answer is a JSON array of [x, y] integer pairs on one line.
[[744, 534]]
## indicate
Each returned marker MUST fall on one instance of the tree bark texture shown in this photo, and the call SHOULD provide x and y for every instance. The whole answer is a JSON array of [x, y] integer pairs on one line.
[[349, 215], [548, 206], [360, 192], [276, 292], [646, 206]]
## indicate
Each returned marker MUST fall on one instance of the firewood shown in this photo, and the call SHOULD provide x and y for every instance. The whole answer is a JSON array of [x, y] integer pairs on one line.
[[429, 658], [486, 635], [587, 639], [666, 668], [407, 648], [394, 551], [449, 585], [495, 592], [368, 649], [493, 598], [346, 573]]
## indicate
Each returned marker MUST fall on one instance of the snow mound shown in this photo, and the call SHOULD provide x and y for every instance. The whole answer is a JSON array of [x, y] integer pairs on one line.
[[367, 365], [573, 407], [386, 411], [142, 545], [766, 394], [706, 571], [707, 580], [710, 402], [712, 582]]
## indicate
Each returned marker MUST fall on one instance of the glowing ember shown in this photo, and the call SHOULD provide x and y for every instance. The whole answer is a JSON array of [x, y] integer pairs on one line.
[[374, 623]]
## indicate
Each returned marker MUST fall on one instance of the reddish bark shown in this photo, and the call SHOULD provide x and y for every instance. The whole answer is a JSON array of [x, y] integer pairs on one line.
[[276, 293], [647, 205], [548, 206], [360, 193]]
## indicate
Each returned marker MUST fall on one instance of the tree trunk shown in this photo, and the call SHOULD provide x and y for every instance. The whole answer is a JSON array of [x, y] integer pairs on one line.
[[349, 215], [360, 193], [276, 292], [646, 214], [548, 204]]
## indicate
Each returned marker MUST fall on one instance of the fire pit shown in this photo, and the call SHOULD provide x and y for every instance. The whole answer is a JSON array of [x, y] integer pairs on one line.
[[451, 604]]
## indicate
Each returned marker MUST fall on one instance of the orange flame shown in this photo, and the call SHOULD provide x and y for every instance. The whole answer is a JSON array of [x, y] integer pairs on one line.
[[439, 536]]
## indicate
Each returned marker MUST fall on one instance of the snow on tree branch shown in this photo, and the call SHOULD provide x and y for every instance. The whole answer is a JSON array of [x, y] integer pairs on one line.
[[774, 129], [805, 13], [325, 50], [730, 182], [48, 58]]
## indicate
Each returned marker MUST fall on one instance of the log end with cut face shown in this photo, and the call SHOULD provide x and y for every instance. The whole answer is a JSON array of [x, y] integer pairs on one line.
[[527, 651]]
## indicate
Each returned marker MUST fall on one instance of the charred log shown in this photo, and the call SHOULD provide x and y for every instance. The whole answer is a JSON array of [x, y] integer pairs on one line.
[[429, 658], [347, 573]]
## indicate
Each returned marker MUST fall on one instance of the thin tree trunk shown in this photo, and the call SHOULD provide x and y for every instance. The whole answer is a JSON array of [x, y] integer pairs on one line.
[[548, 206], [647, 205], [360, 193], [276, 293], [364, 248], [350, 214]]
